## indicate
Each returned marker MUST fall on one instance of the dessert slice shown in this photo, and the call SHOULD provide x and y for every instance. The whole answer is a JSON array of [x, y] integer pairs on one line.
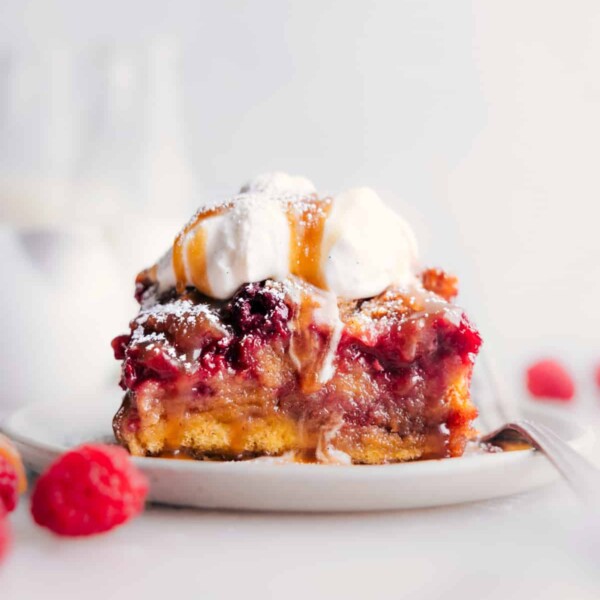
[[283, 323]]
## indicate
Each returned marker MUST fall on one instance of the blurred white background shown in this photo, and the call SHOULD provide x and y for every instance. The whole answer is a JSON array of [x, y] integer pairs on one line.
[[479, 120]]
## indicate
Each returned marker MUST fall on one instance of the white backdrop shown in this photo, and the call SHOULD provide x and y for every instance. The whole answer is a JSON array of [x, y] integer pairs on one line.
[[480, 119]]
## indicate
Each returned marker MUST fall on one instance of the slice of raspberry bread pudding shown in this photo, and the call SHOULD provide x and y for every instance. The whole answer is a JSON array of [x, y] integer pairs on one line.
[[281, 323]]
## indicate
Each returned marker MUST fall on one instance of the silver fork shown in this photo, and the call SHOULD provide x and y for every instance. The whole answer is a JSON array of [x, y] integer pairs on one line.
[[500, 416]]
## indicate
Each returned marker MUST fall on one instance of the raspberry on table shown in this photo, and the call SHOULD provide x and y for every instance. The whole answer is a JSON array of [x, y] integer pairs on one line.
[[9, 486], [548, 378], [90, 489]]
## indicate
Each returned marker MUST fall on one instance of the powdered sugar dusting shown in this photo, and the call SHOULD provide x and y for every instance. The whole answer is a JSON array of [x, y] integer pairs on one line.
[[181, 309]]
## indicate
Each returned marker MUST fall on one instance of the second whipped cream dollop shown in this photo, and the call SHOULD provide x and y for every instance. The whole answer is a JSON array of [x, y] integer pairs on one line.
[[352, 245]]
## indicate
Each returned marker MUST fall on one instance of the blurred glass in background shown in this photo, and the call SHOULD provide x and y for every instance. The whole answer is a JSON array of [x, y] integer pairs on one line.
[[94, 184]]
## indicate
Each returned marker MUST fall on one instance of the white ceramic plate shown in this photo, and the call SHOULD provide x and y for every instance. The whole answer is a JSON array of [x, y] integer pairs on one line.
[[43, 431]]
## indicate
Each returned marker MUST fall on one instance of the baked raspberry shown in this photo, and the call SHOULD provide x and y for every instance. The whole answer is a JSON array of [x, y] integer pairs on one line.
[[4, 535], [550, 379], [119, 345], [9, 484], [89, 490], [261, 310]]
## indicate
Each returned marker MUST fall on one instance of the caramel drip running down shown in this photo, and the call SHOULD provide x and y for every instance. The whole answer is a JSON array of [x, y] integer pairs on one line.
[[308, 352], [196, 252], [306, 235]]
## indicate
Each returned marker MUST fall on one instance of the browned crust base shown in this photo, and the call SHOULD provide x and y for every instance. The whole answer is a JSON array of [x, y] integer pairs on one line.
[[219, 435]]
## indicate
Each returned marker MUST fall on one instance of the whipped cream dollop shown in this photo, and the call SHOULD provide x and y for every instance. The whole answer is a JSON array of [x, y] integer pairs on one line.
[[366, 246], [352, 245], [244, 244]]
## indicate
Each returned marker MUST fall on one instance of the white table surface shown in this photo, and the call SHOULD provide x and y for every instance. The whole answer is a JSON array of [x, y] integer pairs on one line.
[[537, 545]]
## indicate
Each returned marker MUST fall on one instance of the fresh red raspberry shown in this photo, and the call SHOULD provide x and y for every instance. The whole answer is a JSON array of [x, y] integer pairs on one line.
[[597, 376], [9, 485], [89, 490], [550, 379]]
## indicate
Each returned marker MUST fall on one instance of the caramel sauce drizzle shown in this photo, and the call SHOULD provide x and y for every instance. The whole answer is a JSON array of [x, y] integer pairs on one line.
[[307, 225], [196, 252], [238, 435], [308, 352], [174, 429], [306, 235]]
